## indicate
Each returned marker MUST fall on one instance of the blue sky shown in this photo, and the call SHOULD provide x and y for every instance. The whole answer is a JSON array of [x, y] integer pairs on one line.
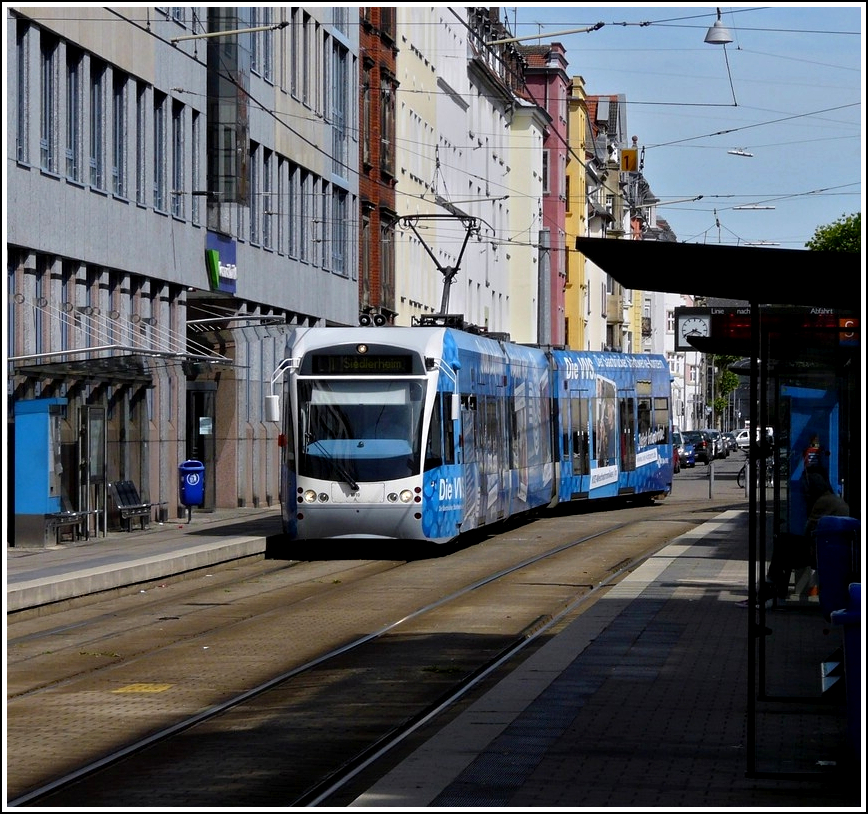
[[790, 96]]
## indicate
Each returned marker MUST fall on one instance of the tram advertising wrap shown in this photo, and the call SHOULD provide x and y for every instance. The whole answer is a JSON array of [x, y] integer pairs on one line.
[[424, 433]]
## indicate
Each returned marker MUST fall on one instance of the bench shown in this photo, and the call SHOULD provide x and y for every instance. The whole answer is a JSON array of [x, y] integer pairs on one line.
[[69, 522], [129, 504]]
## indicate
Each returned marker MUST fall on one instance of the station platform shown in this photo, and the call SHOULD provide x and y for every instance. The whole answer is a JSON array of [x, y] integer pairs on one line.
[[656, 696]]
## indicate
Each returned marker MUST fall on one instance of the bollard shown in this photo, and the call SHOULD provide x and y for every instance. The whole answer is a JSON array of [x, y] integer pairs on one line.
[[711, 478]]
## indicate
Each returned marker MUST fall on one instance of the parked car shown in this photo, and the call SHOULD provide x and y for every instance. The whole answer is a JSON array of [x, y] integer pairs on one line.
[[683, 453], [720, 448], [703, 446], [742, 438], [731, 443]]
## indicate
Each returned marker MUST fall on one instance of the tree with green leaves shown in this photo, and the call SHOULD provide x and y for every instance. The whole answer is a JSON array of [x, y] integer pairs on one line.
[[844, 235], [725, 381]]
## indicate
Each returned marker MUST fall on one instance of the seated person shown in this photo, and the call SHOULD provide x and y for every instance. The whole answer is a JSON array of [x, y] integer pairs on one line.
[[794, 551]]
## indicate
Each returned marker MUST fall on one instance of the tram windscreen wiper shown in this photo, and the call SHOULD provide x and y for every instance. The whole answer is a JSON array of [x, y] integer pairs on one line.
[[336, 464]]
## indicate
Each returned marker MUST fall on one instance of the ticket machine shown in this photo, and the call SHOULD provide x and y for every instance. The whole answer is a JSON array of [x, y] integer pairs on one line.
[[38, 468]]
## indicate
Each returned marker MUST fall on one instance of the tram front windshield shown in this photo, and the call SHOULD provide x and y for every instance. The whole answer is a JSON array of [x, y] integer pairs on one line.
[[360, 429]]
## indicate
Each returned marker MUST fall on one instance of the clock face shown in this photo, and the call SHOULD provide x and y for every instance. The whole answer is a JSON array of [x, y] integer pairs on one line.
[[694, 326]]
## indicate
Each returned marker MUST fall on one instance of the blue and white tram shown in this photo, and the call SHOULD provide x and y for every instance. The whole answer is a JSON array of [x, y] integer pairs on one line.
[[423, 433]]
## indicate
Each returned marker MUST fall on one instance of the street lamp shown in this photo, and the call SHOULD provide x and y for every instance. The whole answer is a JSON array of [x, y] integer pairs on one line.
[[719, 34]]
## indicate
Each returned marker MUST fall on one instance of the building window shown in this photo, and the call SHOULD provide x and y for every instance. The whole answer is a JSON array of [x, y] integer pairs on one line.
[[196, 134], [387, 125], [670, 322], [141, 139], [255, 207], [339, 19], [159, 151], [545, 172], [366, 113], [268, 205], [321, 208], [320, 80], [255, 22], [278, 205], [97, 124], [306, 33], [178, 159], [119, 134], [73, 113], [387, 21], [294, 34], [387, 263], [22, 143], [339, 236], [48, 117], [365, 259], [340, 103], [304, 209], [292, 211], [266, 63]]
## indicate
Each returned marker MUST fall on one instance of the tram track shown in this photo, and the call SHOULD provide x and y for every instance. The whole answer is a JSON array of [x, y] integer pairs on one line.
[[360, 683]]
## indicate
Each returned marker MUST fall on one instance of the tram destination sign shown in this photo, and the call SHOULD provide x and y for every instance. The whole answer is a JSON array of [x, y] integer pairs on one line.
[[346, 364]]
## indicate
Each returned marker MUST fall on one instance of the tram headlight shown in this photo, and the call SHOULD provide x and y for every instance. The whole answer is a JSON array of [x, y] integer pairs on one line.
[[309, 496], [406, 496], [323, 497], [392, 497]]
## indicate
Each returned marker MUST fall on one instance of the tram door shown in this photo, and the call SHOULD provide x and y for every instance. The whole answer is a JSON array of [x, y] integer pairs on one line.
[[810, 411], [201, 397]]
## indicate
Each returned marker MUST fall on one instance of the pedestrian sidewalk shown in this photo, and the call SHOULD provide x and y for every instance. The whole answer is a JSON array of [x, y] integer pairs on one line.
[[644, 702]]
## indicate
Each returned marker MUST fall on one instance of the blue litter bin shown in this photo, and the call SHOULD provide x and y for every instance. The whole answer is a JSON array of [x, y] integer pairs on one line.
[[838, 561], [850, 618], [191, 483]]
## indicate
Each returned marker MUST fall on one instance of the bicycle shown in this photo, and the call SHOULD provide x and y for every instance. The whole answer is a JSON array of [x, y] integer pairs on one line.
[[741, 476]]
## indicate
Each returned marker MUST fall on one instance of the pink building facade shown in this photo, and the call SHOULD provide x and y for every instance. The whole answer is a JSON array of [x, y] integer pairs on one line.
[[548, 86]]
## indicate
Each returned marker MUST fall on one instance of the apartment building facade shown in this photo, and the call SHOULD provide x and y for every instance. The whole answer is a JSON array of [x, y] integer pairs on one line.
[[176, 202]]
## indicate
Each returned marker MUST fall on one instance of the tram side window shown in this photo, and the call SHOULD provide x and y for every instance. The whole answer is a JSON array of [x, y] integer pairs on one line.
[[661, 419], [440, 447], [434, 445], [514, 436], [644, 420]]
